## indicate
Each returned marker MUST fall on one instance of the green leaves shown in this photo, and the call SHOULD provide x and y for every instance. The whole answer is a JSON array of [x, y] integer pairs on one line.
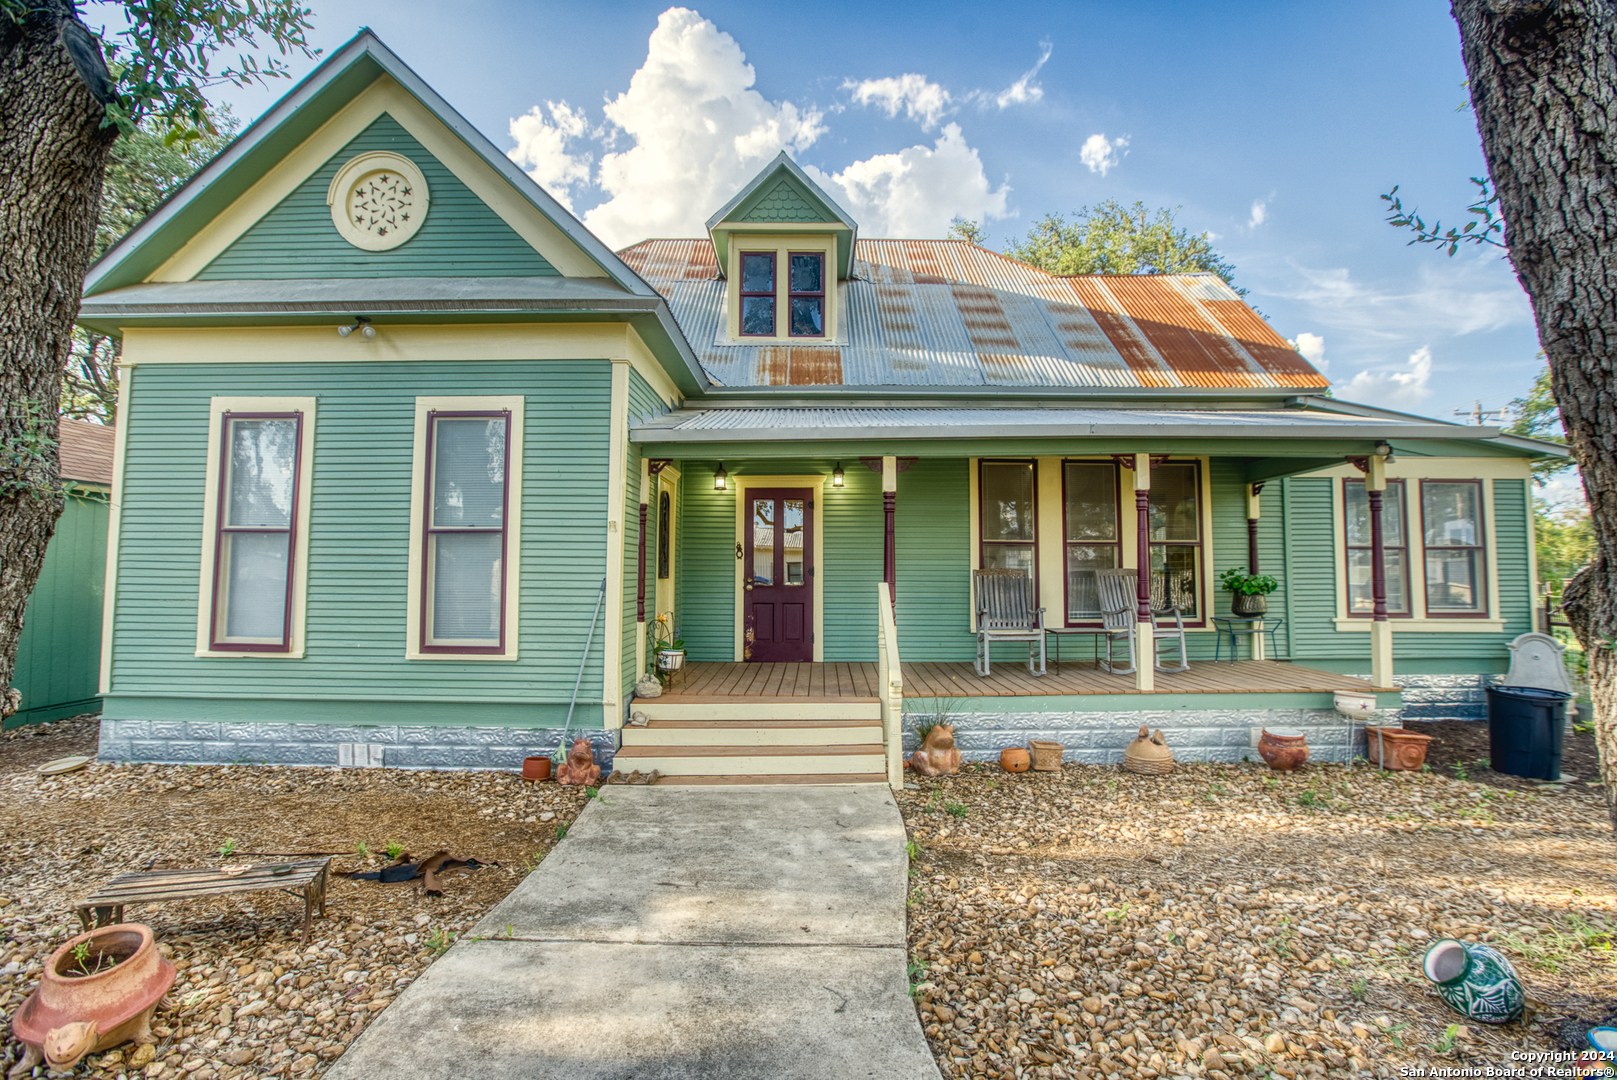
[[1237, 580], [1111, 238], [1485, 228]]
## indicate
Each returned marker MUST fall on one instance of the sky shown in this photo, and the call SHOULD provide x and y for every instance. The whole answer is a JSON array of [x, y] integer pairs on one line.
[[1272, 127]]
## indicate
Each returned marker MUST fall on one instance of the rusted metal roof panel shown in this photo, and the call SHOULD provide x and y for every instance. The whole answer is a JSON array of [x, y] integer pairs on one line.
[[949, 313]]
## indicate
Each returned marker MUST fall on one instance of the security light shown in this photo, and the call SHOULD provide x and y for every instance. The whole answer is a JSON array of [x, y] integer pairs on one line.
[[720, 478], [836, 475], [360, 323]]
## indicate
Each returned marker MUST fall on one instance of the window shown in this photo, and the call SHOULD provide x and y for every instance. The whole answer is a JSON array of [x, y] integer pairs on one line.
[[1394, 544], [1092, 532], [255, 547], [1007, 527], [1451, 523], [465, 513], [806, 294], [1176, 538], [758, 294]]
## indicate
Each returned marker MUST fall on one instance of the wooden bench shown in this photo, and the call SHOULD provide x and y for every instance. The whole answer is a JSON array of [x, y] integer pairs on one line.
[[300, 877]]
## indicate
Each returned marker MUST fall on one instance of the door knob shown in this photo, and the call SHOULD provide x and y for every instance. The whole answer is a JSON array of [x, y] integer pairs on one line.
[[748, 586]]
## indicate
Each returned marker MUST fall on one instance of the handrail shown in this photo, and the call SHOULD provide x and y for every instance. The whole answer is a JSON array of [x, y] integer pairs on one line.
[[890, 680]]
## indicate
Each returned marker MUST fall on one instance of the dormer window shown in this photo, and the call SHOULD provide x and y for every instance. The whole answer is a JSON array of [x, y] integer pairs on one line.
[[758, 294], [807, 294]]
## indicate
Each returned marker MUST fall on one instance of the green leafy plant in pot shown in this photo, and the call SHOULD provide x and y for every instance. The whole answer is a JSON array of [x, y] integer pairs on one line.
[[1249, 593], [668, 647]]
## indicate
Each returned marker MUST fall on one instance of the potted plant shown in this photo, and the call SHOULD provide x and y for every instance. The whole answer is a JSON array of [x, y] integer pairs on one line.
[[668, 645], [1248, 592]]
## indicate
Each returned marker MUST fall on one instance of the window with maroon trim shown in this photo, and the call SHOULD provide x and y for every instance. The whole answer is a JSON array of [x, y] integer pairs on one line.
[[1176, 539], [805, 300], [464, 547], [1394, 548], [255, 549], [1092, 532], [1456, 562], [1008, 523], [758, 294]]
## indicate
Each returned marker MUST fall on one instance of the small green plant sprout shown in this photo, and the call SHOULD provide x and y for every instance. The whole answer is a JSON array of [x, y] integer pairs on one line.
[[83, 965], [956, 809], [928, 713], [1445, 1045], [361, 850], [916, 972], [228, 848], [1237, 580], [913, 850], [394, 849], [1312, 799], [439, 942], [1460, 771], [561, 832]]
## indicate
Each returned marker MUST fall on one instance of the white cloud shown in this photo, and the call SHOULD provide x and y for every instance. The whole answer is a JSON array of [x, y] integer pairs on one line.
[[699, 131], [919, 98], [1312, 348], [1102, 155], [1260, 213], [915, 192], [1449, 298], [1024, 90], [542, 148], [1398, 388], [1564, 492]]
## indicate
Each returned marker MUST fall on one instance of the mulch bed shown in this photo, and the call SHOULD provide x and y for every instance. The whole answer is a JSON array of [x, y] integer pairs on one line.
[[1459, 749]]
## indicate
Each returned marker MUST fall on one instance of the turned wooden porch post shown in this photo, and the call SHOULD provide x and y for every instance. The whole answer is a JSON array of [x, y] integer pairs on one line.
[[889, 555], [1253, 491], [1145, 641], [1375, 482]]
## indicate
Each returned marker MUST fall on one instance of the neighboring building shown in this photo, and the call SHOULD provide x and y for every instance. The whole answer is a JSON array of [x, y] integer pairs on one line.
[[396, 427], [58, 656]]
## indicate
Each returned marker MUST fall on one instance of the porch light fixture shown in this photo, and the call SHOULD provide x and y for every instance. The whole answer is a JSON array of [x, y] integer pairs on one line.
[[720, 478], [836, 475], [362, 324], [1384, 449]]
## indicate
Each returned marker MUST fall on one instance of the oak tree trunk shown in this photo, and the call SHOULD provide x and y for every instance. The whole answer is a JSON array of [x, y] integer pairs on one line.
[[53, 152], [1544, 85]]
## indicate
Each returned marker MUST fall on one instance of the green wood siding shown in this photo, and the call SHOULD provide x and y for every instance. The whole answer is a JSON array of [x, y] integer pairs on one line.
[[461, 237], [59, 654], [783, 202], [933, 563], [359, 540], [643, 401]]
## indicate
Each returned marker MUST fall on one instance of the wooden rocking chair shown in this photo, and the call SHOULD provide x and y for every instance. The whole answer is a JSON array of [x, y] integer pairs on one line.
[[1007, 611], [1118, 604]]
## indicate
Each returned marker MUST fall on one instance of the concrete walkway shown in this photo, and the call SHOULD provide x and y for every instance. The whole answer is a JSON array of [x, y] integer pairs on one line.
[[679, 933]]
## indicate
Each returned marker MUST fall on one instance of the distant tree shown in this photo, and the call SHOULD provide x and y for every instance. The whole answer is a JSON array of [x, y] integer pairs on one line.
[[1538, 417], [1115, 239], [970, 231], [145, 168], [1564, 540]]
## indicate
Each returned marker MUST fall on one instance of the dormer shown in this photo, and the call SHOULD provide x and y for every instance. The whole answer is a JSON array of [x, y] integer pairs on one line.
[[783, 245]]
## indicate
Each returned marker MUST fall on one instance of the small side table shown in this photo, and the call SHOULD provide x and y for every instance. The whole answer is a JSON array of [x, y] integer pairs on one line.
[[1093, 632], [1254, 627]]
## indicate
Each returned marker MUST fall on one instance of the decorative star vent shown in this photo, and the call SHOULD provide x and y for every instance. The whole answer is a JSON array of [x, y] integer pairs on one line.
[[378, 201]]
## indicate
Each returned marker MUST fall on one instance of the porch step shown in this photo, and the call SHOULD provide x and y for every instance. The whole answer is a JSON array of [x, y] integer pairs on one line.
[[754, 708], [813, 762], [753, 733], [743, 781]]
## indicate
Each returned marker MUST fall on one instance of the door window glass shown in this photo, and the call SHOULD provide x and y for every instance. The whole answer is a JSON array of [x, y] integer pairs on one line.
[[793, 528], [763, 541]]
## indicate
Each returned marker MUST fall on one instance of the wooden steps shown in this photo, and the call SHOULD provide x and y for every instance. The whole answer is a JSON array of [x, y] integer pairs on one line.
[[756, 742]]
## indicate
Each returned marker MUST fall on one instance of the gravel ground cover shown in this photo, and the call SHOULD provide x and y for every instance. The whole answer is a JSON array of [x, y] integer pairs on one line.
[[253, 1001], [1227, 921]]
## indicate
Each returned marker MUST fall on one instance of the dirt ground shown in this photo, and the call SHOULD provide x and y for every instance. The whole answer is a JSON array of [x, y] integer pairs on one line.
[[253, 1001], [1459, 748], [1227, 921]]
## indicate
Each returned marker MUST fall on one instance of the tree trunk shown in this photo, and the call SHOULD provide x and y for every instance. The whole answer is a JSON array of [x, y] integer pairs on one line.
[[53, 152], [1544, 85]]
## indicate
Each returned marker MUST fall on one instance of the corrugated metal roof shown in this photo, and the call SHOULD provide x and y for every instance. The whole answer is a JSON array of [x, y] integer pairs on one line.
[[949, 313]]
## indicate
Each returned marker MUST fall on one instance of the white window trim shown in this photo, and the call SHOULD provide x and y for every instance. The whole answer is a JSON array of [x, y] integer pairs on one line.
[[782, 246], [217, 407], [817, 483], [1412, 473], [416, 591]]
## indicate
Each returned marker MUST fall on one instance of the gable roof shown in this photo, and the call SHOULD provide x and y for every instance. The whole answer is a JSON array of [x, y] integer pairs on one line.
[[84, 451], [949, 314], [783, 194], [265, 142]]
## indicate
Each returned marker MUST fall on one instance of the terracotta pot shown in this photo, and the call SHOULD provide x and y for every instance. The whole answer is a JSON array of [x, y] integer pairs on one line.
[[1148, 754], [1395, 748], [536, 768], [1246, 605], [1014, 759], [1283, 748], [73, 1015]]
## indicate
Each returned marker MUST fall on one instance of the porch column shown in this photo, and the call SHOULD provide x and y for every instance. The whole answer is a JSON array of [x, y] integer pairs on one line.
[[1145, 642], [889, 502], [1375, 482], [640, 577], [1253, 491]]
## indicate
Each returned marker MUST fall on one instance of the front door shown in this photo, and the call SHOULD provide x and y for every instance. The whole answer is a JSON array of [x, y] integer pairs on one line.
[[777, 575]]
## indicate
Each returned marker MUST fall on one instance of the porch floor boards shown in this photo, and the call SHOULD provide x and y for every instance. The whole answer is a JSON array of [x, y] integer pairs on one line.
[[709, 681]]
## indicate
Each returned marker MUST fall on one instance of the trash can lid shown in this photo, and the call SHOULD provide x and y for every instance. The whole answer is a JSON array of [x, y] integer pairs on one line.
[[1532, 693]]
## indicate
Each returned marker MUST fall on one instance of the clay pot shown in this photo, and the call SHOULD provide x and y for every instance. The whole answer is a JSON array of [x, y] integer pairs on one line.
[[536, 768], [70, 1015], [1248, 605], [1476, 980], [1148, 754], [1014, 759], [1395, 748], [1283, 748]]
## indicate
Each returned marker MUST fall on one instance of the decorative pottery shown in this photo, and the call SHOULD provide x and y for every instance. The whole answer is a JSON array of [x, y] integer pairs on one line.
[[937, 754], [580, 767], [69, 1015], [670, 659], [1148, 754], [1395, 748], [1283, 748], [1248, 605], [1046, 755], [1476, 980], [1014, 759], [63, 765], [536, 768]]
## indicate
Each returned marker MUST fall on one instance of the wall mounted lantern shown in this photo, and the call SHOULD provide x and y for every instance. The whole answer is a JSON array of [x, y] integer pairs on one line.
[[836, 475], [720, 478]]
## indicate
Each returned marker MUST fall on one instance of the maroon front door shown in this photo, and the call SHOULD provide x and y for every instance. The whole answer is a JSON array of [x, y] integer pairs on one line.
[[777, 575]]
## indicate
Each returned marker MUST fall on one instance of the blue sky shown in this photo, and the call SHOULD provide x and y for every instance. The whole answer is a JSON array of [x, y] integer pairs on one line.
[[1274, 127]]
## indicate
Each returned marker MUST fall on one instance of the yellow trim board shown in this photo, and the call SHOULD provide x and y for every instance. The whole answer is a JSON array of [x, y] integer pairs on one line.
[[217, 407], [392, 343], [416, 588], [617, 498], [109, 597], [740, 484], [382, 96]]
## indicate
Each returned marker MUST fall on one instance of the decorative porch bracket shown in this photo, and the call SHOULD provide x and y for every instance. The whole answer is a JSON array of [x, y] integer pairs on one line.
[[890, 684], [1145, 637]]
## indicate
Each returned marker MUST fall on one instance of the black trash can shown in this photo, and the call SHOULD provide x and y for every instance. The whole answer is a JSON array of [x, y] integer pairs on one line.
[[1525, 725]]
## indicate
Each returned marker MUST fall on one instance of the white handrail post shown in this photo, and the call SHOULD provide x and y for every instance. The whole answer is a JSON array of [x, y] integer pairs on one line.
[[890, 680]]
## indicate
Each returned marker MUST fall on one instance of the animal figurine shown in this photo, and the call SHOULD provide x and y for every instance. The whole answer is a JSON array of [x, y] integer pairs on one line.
[[937, 755], [580, 767], [1148, 754]]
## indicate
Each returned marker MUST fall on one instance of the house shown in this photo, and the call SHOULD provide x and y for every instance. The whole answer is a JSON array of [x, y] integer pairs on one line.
[[410, 464], [58, 655]]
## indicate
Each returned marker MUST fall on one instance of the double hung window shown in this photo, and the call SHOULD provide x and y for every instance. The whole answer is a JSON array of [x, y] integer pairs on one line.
[[255, 547], [806, 294], [1008, 528], [1093, 533], [758, 294], [1451, 521], [1394, 545], [1176, 538]]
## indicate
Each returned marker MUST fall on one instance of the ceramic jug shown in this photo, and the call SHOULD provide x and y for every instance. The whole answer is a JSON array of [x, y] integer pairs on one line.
[[1476, 980]]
